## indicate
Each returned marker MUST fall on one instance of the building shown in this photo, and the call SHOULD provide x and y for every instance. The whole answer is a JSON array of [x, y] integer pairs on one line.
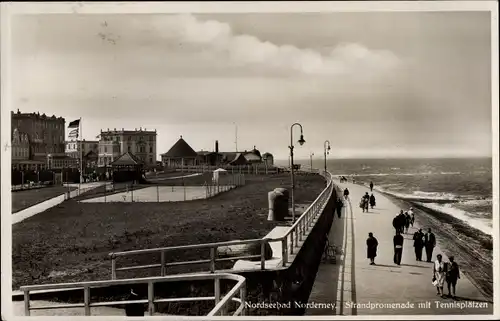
[[73, 147], [89, 148], [180, 154], [20, 146], [114, 143], [34, 137], [268, 159], [45, 133], [59, 162]]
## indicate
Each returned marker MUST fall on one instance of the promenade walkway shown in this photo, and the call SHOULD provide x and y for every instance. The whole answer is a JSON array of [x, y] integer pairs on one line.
[[349, 286]]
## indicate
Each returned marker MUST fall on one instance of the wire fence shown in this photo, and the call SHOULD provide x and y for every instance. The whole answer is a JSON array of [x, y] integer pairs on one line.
[[168, 193]]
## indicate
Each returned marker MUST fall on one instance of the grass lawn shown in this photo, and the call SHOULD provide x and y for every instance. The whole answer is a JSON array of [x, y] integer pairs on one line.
[[24, 199], [71, 241]]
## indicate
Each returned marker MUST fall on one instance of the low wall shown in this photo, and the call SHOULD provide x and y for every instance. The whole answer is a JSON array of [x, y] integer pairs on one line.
[[285, 286]]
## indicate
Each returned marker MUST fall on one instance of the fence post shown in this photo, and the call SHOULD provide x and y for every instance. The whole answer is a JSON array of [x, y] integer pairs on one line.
[[212, 259], [217, 290], [291, 241], [151, 305], [163, 263], [26, 303], [243, 295], [157, 193], [263, 254], [86, 299], [284, 250], [113, 267], [132, 193]]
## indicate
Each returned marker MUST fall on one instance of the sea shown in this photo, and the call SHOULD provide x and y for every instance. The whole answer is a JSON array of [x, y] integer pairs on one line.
[[459, 187]]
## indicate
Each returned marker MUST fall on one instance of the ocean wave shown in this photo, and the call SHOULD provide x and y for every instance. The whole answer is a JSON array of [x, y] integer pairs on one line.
[[482, 224], [419, 196], [400, 174]]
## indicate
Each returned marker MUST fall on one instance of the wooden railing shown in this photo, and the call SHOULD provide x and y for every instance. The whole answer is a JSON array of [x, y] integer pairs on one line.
[[220, 303], [289, 241]]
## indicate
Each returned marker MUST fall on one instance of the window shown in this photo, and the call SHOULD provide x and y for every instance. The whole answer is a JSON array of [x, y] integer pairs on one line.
[[151, 149], [129, 149], [105, 149], [151, 160]]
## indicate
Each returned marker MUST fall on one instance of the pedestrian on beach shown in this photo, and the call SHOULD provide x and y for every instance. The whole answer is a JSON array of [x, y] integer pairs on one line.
[[430, 244], [398, 247], [371, 248], [346, 193], [412, 215], [439, 273], [372, 201], [418, 244], [407, 222], [452, 276], [366, 201], [371, 186], [401, 222], [395, 223], [339, 206]]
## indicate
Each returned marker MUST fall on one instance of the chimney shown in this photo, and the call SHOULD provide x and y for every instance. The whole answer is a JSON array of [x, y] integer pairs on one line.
[[217, 146]]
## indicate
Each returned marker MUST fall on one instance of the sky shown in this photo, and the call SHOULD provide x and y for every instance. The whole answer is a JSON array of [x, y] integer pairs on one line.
[[375, 85]]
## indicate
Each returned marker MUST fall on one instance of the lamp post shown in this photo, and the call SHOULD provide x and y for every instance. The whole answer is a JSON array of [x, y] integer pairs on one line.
[[301, 141], [311, 160], [327, 150]]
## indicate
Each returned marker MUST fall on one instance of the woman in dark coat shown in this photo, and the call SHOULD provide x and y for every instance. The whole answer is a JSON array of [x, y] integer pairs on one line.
[[372, 201], [371, 248]]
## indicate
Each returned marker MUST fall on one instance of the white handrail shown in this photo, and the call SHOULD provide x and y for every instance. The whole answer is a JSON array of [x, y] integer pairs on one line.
[[295, 234], [219, 309]]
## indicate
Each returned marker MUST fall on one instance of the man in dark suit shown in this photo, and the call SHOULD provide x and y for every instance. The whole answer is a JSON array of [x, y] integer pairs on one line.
[[418, 244], [430, 244], [398, 247]]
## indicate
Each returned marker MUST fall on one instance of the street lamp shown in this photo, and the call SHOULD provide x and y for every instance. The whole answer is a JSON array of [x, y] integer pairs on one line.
[[311, 157], [301, 141], [327, 151]]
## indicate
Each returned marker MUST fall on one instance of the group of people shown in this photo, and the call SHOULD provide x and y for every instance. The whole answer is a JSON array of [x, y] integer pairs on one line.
[[367, 200], [403, 221], [441, 271]]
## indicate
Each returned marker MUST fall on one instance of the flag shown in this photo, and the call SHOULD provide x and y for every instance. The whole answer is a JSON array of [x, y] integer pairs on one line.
[[74, 133], [74, 124]]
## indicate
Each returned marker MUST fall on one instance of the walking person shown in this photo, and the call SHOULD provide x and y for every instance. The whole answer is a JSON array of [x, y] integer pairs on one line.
[[366, 201], [418, 244], [346, 193], [372, 201], [339, 206], [395, 223], [401, 222], [439, 272], [407, 222], [452, 276], [371, 248], [412, 221], [430, 244], [398, 247], [371, 186]]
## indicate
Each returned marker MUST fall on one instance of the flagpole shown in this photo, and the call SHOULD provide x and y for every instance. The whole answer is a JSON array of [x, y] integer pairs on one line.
[[81, 156]]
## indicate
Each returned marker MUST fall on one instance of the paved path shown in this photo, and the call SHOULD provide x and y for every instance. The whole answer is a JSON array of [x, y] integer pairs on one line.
[[43, 206], [353, 280]]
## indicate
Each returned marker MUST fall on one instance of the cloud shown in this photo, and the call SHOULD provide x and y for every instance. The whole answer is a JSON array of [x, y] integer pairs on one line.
[[242, 49]]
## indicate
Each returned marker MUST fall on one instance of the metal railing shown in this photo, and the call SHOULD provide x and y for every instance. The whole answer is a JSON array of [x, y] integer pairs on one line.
[[220, 308], [289, 241]]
